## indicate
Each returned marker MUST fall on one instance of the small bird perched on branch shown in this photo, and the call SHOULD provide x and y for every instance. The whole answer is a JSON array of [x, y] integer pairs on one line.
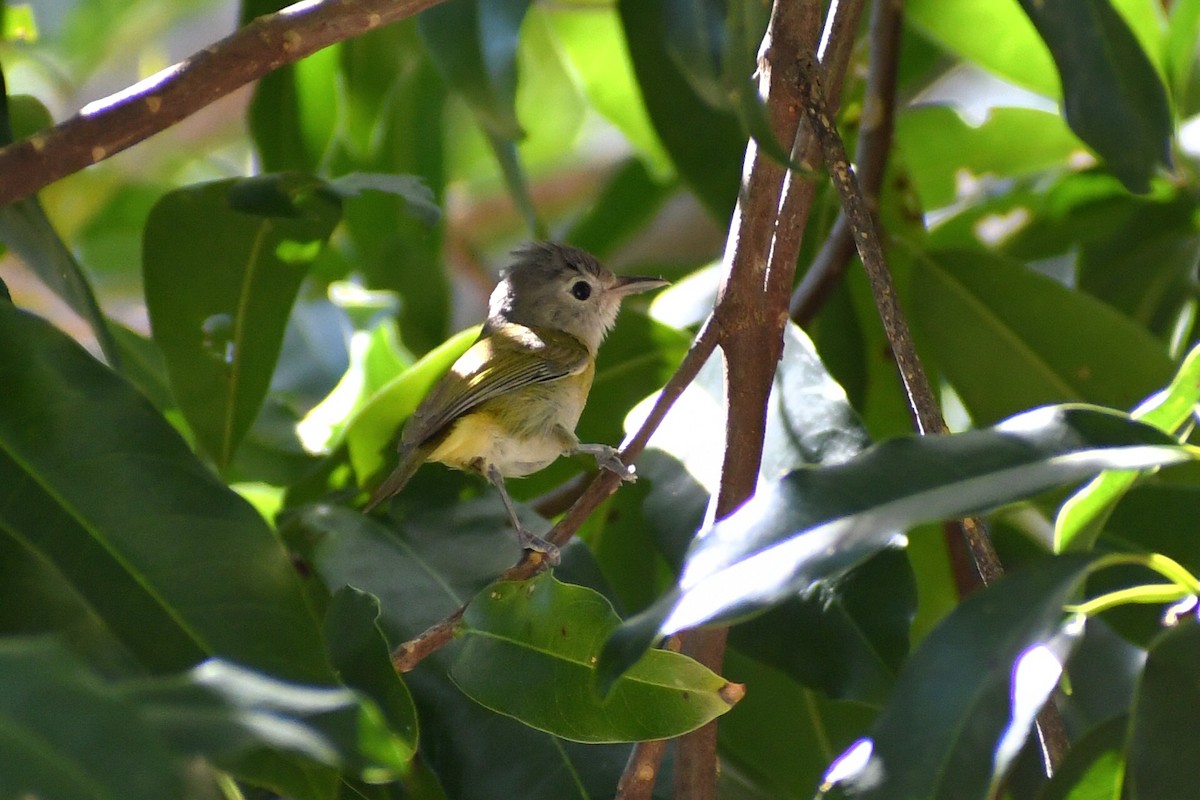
[[508, 406]]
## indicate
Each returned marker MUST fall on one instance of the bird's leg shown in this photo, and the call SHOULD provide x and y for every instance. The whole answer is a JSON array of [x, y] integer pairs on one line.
[[607, 458], [525, 537]]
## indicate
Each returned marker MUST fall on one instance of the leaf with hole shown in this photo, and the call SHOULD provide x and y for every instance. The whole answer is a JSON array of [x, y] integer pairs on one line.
[[222, 265]]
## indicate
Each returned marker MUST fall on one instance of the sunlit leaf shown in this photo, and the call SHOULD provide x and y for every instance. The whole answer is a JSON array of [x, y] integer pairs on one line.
[[1082, 516], [967, 699], [815, 523]]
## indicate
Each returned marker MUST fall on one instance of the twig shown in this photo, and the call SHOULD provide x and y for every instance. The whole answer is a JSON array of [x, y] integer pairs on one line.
[[641, 771], [870, 159], [108, 126], [866, 236], [916, 382], [411, 653]]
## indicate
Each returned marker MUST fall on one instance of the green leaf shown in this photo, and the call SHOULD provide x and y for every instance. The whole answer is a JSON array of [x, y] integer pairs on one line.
[[473, 44], [996, 36], [529, 650], [223, 262], [1183, 56], [966, 700], [294, 115], [220, 711], [440, 557], [67, 736], [27, 231], [166, 558], [846, 638], [815, 523], [1112, 95], [938, 145], [1083, 515], [981, 315], [360, 657], [1095, 766], [437, 561], [417, 196], [1163, 747], [371, 434], [478, 753], [591, 40], [705, 145], [782, 736]]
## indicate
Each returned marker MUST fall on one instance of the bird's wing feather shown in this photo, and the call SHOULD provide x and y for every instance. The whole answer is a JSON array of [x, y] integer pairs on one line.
[[484, 372]]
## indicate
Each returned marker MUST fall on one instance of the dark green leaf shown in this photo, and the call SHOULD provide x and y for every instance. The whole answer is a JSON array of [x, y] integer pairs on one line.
[[360, 657], [295, 111], [1094, 766], [417, 196], [67, 736], [846, 638], [27, 231], [815, 523], [170, 561], [1163, 747], [395, 112], [474, 46], [781, 736], [220, 711], [983, 316], [705, 145], [529, 650], [223, 262], [966, 700], [480, 754], [1112, 95]]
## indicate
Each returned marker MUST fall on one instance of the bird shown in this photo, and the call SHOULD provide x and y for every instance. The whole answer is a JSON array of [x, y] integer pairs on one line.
[[509, 405]]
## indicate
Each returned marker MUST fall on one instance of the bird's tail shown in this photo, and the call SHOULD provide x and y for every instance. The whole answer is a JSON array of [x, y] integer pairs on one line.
[[410, 461]]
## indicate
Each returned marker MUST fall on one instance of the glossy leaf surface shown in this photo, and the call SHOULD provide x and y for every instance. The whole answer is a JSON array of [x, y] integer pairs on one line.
[[529, 650], [814, 523], [223, 263], [173, 564]]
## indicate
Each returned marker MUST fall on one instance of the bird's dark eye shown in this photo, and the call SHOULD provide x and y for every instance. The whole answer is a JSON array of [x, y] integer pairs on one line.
[[582, 290]]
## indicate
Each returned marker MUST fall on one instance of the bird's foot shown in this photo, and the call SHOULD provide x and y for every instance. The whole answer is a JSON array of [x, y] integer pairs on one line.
[[610, 459], [531, 541]]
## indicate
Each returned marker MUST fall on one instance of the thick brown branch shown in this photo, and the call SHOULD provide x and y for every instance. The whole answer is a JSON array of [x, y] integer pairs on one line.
[[110, 125]]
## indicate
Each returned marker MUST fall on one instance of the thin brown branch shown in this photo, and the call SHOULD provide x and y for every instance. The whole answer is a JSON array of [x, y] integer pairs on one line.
[[916, 382], [920, 391], [108, 126], [411, 653], [641, 771], [870, 158]]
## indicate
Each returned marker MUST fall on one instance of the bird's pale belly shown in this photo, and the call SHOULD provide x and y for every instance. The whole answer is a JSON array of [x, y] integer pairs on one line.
[[519, 435]]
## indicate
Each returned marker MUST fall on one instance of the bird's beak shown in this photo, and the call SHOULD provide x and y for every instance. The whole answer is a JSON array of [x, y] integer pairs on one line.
[[630, 284]]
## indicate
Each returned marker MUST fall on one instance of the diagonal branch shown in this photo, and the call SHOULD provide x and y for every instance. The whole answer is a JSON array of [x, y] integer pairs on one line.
[[108, 126]]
